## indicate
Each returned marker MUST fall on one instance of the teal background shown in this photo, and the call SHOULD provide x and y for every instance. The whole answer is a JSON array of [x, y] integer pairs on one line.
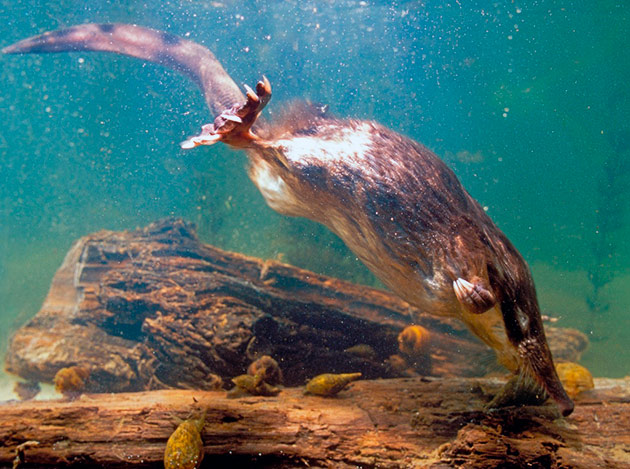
[[527, 101]]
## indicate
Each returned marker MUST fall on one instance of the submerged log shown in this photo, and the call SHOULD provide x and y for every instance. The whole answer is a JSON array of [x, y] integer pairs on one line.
[[397, 423], [155, 308]]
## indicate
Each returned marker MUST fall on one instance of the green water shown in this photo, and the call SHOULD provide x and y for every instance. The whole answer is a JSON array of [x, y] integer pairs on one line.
[[527, 101]]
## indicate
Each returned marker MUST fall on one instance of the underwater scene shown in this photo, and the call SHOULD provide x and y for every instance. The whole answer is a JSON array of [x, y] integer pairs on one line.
[[174, 271]]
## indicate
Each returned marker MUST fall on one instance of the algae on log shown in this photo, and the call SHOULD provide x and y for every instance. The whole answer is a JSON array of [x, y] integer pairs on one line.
[[155, 308], [396, 423]]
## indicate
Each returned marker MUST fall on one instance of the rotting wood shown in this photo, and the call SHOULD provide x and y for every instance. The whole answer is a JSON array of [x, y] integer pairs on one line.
[[396, 423], [155, 308]]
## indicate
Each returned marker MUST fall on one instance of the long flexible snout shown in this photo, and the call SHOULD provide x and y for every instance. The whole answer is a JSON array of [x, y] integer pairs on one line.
[[538, 359]]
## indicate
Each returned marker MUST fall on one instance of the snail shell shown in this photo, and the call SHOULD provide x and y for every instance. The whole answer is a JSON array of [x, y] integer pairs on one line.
[[330, 384]]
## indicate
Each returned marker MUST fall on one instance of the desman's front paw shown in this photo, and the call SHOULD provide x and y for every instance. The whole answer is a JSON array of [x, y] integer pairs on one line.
[[233, 126]]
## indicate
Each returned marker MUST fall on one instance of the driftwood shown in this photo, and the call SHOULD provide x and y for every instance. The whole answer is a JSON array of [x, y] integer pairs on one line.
[[398, 423], [155, 308]]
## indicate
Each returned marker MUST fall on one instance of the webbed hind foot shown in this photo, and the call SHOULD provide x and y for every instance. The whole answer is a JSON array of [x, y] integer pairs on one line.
[[233, 126]]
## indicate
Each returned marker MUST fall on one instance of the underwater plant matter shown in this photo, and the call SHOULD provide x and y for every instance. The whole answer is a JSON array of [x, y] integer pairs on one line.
[[267, 368], [71, 381], [414, 341]]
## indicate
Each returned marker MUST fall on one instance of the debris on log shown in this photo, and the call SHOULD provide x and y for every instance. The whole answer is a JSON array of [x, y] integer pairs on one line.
[[396, 423], [155, 308]]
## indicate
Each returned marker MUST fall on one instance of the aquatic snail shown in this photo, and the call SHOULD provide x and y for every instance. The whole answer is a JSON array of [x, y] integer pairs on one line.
[[71, 381], [184, 448], [268, 368], [329, 384], [253, 385], [575, 378], [364, 351], [262, 375]]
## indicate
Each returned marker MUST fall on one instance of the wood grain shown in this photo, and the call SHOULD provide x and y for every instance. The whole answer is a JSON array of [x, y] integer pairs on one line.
[[396, 423]]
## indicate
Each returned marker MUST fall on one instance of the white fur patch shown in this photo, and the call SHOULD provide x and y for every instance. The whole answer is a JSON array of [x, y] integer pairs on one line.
[[342, 144], [272, 187]]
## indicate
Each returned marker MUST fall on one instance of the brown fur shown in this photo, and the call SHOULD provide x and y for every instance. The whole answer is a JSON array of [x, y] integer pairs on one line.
[[407, 217]]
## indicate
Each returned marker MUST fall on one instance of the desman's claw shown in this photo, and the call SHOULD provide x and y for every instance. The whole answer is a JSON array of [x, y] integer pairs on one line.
[[233, 118], [251, 94], [263, 89], [200, 140], [263, 86]]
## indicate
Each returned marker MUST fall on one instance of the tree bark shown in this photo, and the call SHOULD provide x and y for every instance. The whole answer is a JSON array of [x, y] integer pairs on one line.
[[397, 423], [155, 308]]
